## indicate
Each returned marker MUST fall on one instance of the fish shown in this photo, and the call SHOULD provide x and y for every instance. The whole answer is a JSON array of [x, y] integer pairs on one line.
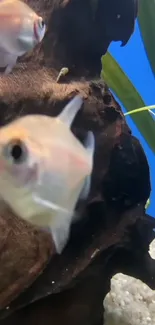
[[21, 29], [45, 170]]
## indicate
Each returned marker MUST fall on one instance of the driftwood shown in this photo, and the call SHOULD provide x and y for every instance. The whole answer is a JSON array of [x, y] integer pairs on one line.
[[114, 232]]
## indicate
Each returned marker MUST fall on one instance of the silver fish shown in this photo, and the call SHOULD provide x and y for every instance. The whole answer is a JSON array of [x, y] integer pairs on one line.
[[21, 29], [45, 170]]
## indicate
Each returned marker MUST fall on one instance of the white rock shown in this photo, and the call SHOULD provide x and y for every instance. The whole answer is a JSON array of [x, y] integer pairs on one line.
[[130, 301]]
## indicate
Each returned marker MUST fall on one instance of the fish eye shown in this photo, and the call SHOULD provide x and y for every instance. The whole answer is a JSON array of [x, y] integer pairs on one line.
[[41, 23], [16, 151]]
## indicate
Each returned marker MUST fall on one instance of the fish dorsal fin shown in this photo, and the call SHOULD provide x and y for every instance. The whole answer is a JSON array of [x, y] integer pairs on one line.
[[70, 110]]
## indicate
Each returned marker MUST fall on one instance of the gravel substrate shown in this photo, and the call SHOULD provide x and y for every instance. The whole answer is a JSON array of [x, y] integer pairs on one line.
[[130, 301]]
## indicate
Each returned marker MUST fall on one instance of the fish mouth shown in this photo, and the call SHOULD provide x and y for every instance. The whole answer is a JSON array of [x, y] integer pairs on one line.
[[38, 35], [19, 177]]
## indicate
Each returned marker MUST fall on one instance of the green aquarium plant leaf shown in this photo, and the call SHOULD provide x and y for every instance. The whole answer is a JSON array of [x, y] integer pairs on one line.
[[142, 109], [147, 204], [146, 21], [123, 88]]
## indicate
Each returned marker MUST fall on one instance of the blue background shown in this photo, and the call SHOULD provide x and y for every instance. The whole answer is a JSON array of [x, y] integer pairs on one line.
[[132, 58]]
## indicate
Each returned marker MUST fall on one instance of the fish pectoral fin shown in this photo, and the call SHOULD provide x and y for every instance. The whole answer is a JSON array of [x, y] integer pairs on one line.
[[48, 204], [71, 109]]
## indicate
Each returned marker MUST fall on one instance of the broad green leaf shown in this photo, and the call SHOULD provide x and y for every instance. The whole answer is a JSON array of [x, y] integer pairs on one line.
[[146, 20], [123, 88]]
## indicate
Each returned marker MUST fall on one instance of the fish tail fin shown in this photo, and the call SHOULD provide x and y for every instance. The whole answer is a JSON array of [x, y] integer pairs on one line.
[[70, 110], [89, 144]]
